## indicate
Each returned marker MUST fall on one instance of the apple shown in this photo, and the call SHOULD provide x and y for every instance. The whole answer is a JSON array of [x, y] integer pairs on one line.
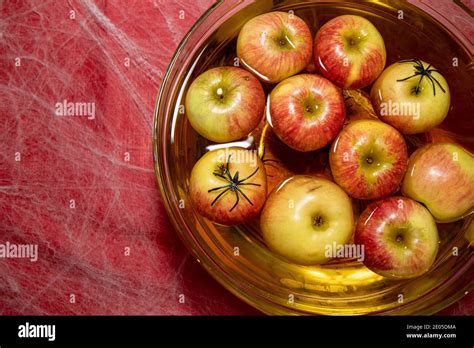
[[412, 96], [399, 236], [298, 222], [225, 104], [228, 186], [349, 51], [368, 159], [274, 46], [441, 176], [306, 111]]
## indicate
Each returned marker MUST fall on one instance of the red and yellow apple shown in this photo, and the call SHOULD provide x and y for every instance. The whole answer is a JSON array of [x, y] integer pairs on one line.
[[298, 222], [412, 96], [399, 236], [306, 112], [274, 46], [228, 186], [349, 51], [441, 176], [368, 159], [225, 104]]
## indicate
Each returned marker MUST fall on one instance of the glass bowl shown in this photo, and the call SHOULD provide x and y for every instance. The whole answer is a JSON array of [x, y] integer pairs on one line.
[[236, 256]]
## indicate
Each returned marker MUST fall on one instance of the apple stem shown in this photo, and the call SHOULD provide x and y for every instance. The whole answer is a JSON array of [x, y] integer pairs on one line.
[[318, 220]]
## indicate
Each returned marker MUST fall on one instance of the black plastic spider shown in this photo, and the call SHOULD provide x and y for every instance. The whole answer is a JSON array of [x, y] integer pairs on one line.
[[233, 183], [422, 72]]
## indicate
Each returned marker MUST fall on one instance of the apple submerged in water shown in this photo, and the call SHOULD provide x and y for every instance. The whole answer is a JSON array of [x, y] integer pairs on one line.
[[225, 104], [368, 159], [441, 176], [275, 45], [349, 51], [412, 96], [306, 112], [298, 223], [399, 236], [228, 186]]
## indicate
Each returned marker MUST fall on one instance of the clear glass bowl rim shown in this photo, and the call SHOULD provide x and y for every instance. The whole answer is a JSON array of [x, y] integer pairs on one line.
[[210, 265]]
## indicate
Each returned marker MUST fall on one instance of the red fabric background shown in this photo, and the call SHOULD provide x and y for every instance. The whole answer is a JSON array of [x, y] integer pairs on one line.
[[79, 51]]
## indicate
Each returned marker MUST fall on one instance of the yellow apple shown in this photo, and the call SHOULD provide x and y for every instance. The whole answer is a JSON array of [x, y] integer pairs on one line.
[[303, 216], [412, 96]]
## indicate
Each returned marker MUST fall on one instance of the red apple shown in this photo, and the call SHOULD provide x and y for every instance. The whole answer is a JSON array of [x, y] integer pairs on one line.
[[306, 112], [399, 236], [412, 96], [228, 186], [441, 176], [274, 46], [349, 51], [368, 159], [225, 104]]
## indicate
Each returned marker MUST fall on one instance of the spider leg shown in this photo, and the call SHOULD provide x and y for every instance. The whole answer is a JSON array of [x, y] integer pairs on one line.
[[248, 177], [236, 200], [217, 188], [219, 196], [435, 80], [236, 177], [409, 77], [249, 183], [432, 84], [222, 177], [227, 168], [418, 84], [243, 194]]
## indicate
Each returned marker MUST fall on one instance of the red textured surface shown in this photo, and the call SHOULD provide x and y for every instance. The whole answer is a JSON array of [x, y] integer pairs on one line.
[[117, 204]]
